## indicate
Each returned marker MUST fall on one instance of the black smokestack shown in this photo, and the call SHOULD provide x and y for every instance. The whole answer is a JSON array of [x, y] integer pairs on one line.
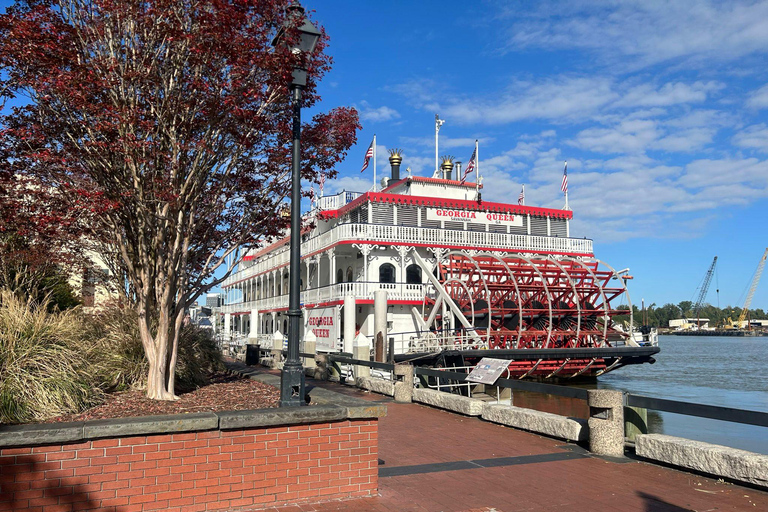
[[395, 160]]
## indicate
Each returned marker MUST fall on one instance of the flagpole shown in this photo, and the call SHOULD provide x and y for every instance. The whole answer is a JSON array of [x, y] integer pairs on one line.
[[565, 171], [477, 169], [374, 162], [438, 123], [437, 130], [523, 194]]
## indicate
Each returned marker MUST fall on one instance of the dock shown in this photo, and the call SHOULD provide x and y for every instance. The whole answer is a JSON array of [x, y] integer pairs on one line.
[[436, 461]]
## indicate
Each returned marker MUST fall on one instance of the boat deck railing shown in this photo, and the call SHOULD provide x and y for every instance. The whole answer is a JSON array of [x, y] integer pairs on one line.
[[405, 235], [361, 290]]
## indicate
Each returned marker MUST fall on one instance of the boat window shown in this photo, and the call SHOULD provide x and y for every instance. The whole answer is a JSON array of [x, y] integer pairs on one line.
[[339, 276], [349, 274], [413, 274], [387, 273]]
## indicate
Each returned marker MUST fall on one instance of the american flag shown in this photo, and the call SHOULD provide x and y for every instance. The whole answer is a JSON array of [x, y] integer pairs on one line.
[[470, 166], [368, 156], [521, 197], [564, 184]]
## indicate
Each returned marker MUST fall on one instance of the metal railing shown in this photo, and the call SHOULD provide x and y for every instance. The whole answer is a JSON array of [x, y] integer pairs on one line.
[[382, 233], [333, 292], [714, 412]]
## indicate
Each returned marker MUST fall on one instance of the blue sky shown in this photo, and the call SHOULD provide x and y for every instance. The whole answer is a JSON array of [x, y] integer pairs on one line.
[[660, 108]]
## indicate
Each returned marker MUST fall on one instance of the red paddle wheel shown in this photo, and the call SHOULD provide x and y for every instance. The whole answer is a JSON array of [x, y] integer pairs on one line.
[[516, 302]]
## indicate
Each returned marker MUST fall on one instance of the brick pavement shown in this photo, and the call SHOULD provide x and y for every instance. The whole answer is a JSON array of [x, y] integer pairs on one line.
[[432, 460]]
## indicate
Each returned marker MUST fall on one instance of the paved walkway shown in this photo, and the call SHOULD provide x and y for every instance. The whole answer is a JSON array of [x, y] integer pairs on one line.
[[431, 460]]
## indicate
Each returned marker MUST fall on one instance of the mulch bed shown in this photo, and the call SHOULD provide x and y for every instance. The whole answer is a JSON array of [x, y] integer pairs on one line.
[[224, 393]]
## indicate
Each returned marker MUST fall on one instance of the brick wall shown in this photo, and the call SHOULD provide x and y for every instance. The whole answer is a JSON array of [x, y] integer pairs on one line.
[[211, 470]]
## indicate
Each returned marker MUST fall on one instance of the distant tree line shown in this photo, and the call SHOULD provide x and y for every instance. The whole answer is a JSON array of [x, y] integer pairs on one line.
[[659, 316]]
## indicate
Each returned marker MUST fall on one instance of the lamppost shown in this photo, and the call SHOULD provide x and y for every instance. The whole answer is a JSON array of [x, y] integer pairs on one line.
[[292, 376]]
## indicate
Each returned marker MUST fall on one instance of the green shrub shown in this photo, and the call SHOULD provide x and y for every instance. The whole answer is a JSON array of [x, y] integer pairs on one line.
[[119, 360], [120, 355], [45, 362], [198, 357]]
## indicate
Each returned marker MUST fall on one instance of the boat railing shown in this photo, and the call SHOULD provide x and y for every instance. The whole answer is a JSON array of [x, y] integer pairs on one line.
[[331, 293], [409, 234]]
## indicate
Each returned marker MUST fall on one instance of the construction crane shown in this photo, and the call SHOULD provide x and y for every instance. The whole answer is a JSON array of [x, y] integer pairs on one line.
[[752, 288], [703, 292]]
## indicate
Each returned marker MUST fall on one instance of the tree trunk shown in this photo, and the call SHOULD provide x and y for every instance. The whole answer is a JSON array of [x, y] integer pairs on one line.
[[156, 348]]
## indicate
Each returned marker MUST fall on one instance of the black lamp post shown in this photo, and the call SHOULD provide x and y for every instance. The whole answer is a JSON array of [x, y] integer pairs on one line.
[[292, 376]]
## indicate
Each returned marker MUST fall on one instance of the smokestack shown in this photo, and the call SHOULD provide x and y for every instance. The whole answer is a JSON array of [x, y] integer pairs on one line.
[[395, 159], [447, 167], [458, 171]]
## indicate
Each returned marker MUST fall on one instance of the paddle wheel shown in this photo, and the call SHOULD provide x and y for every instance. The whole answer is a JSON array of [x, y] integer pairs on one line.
[[557, 310]]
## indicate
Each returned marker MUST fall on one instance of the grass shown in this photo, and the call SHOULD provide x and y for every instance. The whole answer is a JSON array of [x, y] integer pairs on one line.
[[45, 365], [60, 362]]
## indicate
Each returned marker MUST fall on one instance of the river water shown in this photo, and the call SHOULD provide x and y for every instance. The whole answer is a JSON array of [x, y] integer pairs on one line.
[[724, 371]]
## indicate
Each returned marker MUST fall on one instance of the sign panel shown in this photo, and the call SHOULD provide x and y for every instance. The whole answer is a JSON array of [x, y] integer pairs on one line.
[[474, 216], [488, 370], [323, 324]]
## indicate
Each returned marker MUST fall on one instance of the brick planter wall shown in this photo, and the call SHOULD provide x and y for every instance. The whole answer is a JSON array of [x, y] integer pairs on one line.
[[212, 470], [240, 460]]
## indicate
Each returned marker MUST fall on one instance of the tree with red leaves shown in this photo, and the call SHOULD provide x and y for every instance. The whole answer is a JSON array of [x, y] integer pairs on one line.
[[169, 123]]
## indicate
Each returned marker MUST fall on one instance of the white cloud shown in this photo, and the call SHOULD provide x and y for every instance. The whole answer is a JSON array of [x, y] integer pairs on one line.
[[672, 93], [553, 99], [447, 142], [753, 137], [562, 99], [759, 98], [349, 183], [627, 137], [639, 33], [692, 131], [628, 196], [749, 172], [377, 114]]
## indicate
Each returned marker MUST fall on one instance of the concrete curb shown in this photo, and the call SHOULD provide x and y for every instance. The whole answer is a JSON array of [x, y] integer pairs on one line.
[[145, 425], [26, 435], [381, 386], [231, 420], [572, 429], [456, 403], [708, 458]]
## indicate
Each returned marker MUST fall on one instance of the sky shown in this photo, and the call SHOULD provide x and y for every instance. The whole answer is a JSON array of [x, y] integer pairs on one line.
[[660, 109]]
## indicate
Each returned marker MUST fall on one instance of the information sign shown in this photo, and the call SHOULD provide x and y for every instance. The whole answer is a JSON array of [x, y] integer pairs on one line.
[[488, 370]]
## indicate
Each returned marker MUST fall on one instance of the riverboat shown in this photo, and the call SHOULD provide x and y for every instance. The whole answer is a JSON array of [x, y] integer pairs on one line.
[[461, 278]]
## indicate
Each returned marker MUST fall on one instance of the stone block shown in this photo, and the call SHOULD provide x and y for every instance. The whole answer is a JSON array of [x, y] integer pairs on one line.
[[573, 429], [606, 422], [144, 425], [363, 353], [36, 434], [403, 392], [708, 458], [282, 416], [456, 403], [383, 386], [310, 347]]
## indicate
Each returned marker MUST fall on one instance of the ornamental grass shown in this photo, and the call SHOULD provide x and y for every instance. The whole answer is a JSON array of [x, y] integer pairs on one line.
[[45, 362], [54, 363]]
